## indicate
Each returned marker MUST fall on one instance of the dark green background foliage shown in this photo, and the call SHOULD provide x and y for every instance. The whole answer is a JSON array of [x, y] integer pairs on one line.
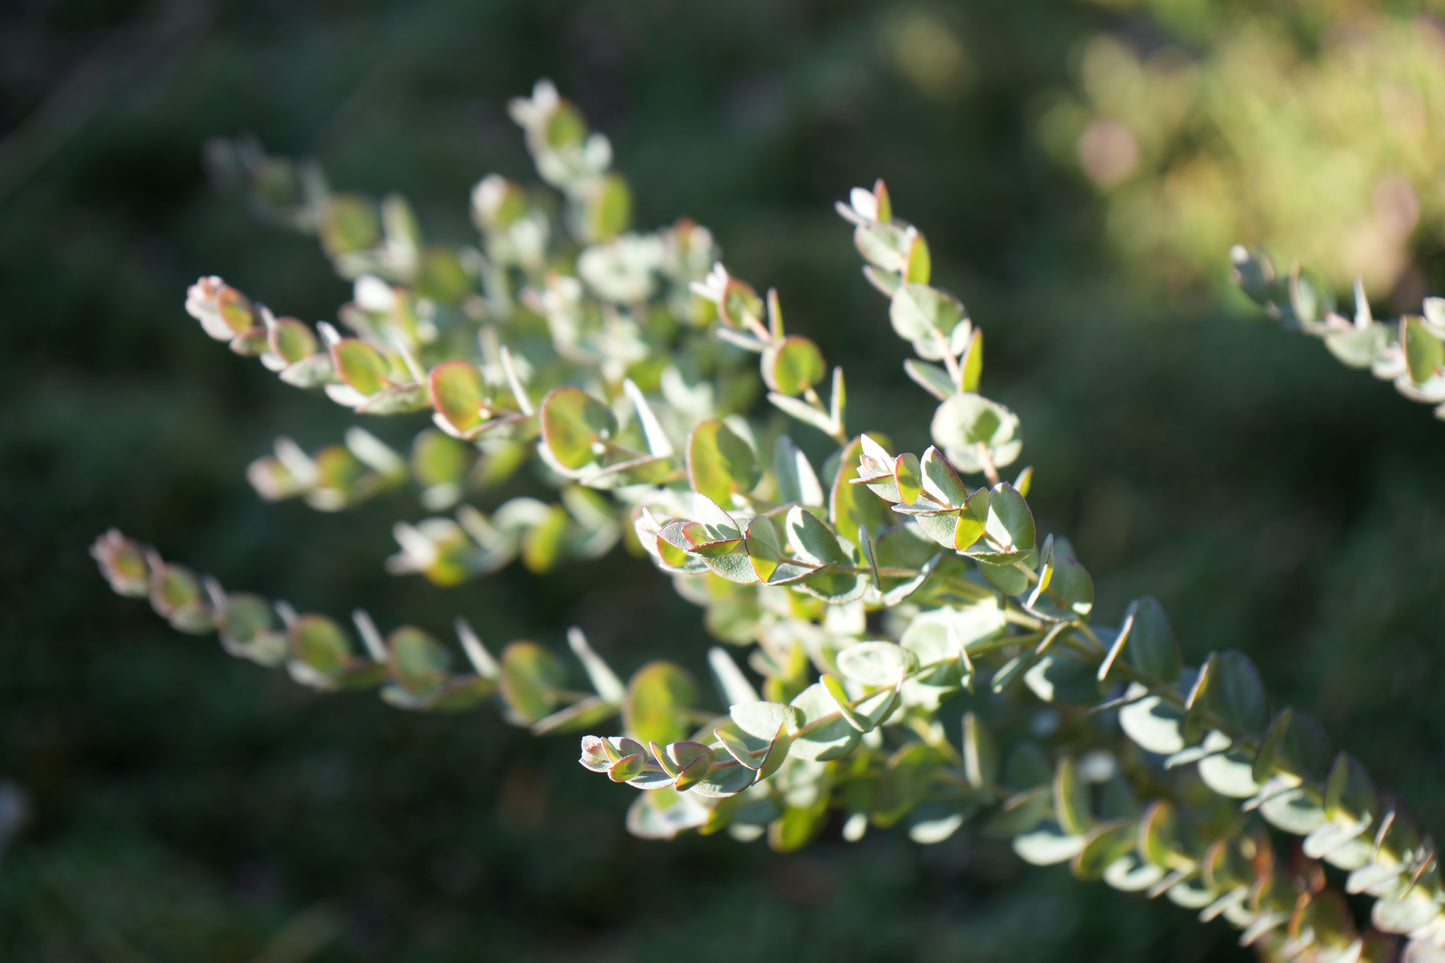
[[185, 806]]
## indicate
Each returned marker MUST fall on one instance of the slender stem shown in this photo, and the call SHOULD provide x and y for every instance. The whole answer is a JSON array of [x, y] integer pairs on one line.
[[950, 363], [990, 470]]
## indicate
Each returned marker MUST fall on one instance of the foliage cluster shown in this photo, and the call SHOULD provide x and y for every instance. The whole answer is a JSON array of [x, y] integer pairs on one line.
[[873, 593]]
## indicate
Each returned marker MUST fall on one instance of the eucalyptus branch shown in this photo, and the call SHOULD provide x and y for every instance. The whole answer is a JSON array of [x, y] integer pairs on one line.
[[1408, 351], [866, 591]]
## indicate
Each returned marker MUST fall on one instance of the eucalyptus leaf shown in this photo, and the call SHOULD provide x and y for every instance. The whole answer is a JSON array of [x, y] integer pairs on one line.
[[720, 463], [530, 678], [574, 425], [658, 697], [876, 663], [969, 427]]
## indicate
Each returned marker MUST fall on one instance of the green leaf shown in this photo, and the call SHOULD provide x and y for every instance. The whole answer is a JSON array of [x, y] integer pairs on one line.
[[1424, 353], [875, 470], [1349, 792], [764, 547], [1020, 813], [1226, 770], [777, 752], [797, 827], [797, 482], [739, 302], [1295, 809], [746, 752], [418, 662], [1158, 835], [291, 341], [349, 223], [693, 760], [1405, 910], [1253, 272], [1010, 671], [439, 459], [903, 783], [980, 754], [844, 704], [1047, 844], [312, 372], [1376, 878], [736, 567], [1295, 743], [804, 412], [440, 276], [1146, 639], [1153, 723], [246, 625], [123, 563], [397, 400], [940, 481], [542, 544], [921, 313], [719, 463], [574, 425], [930, 377], [967, 424], [1005, 577], [793, 365], [850, 506], [604, 681], [1346, 845], [1103, 845], [1309, 299], [931, 641], [176, 594], [733, 685], [920, 264], [628, 768], [658, 442], [579, 716], [1358, 347], [909, 478], [458, 393], [1131, 874], [1071, 799], [723, 780], [1010, 523], [883, 245], [361, 366], [663, 813], [1060, 678], [338, 468], [830, 740], [876, 663], [658, 697], [834, 587], [321, 645], [598, 754], [812, 540], [715, 520], [876, 709], [1236, 693], [234, 311], [865, 548], [610, 207], [762, 720], [530, 678], [972, 364], [1071, 591]]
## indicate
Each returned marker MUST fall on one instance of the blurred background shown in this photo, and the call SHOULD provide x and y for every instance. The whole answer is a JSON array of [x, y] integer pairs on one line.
[[1080, 169]]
